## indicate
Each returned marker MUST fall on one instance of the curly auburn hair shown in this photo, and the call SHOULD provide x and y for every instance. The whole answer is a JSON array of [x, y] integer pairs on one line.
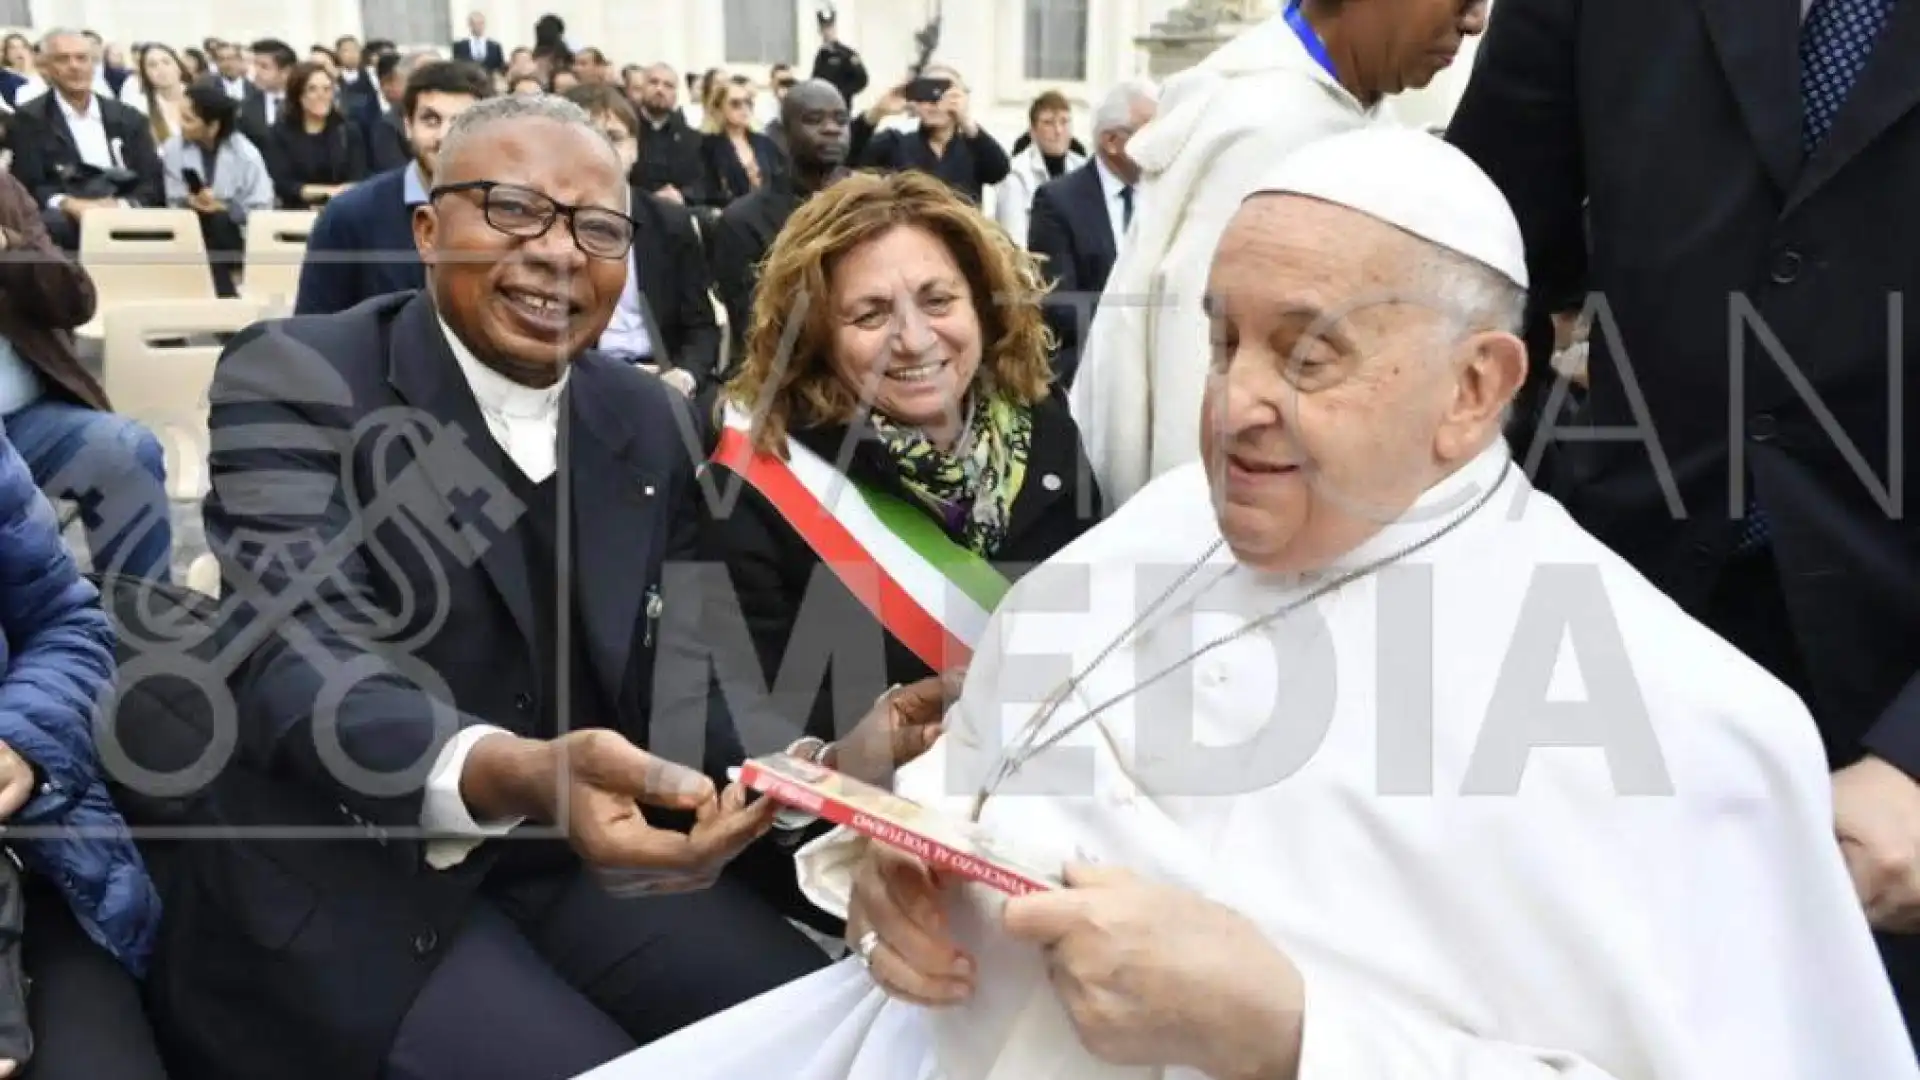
[[787, 379]]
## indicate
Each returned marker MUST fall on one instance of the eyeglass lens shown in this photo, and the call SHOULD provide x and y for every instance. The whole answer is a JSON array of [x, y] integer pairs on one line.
[[599, 232]]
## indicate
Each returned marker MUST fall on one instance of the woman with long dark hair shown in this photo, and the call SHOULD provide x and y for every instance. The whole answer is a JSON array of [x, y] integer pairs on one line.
[[218, 173], [314, 152]]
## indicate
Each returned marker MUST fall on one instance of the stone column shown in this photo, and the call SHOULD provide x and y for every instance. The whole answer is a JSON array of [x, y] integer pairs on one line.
[[1191, 32]]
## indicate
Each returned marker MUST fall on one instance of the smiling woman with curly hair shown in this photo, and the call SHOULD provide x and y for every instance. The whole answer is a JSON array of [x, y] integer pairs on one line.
[[902, 455]]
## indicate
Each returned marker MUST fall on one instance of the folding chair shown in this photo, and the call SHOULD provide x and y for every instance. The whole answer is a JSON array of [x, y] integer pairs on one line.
[[276, 246], [140, 255], [159, 368]]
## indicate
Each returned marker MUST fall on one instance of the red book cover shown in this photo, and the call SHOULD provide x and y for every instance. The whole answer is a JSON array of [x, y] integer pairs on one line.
[[945, 843]]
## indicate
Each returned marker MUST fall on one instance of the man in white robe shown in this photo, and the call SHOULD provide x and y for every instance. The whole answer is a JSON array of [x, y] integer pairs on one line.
[[1222, 126], [1371, 763]]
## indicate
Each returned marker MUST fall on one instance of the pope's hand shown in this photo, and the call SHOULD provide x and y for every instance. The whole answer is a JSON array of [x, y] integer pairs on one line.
[[1158, 976], [900, 727], [1876, 815], [897, 920]]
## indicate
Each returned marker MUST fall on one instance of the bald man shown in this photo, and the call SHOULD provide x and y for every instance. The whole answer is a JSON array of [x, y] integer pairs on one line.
[[815, 118], [669, 164]]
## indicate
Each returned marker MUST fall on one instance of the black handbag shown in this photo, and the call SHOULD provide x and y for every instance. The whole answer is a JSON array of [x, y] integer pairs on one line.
[[93, 182]]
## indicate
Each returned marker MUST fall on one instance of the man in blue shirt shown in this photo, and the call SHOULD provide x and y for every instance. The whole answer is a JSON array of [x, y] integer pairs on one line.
[[362, 246]]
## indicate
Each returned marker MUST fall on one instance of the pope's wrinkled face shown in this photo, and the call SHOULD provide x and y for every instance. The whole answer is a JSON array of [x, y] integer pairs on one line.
[[1329, 384]]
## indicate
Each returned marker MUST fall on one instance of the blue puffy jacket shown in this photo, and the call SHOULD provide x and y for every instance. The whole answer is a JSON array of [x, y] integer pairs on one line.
[[56, 662]]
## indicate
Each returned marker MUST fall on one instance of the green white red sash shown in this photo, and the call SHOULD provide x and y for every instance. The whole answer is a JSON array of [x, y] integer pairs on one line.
[[930, 593]]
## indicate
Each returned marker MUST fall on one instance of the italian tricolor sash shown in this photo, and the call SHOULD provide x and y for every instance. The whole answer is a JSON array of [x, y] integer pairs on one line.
[[929, 592]]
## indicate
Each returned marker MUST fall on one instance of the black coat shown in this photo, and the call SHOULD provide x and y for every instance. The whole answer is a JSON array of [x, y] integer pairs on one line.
[[45, 156], [298, 957], [1676, 125], [1069, 229], [725, 179], [675, 288], [793, 603]]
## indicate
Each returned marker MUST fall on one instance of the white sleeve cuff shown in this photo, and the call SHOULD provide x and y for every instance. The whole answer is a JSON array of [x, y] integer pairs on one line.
[[825, 867], [53, 202], [444, 810]]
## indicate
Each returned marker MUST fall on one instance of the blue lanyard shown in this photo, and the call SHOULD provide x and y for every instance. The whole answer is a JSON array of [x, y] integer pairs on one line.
[[1310, 39]]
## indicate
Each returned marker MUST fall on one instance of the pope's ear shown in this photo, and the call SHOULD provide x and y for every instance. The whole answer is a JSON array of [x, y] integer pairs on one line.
[[1492, 369]]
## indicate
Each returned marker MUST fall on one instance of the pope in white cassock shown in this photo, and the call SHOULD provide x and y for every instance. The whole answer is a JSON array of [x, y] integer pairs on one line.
[[1317, 68], [1363, 761]]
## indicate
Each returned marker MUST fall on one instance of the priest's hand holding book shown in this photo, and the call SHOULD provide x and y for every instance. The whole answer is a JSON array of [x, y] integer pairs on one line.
[[595, 784]]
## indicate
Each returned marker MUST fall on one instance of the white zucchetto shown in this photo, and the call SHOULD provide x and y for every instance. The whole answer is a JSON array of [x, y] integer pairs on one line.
[[1413, 181]]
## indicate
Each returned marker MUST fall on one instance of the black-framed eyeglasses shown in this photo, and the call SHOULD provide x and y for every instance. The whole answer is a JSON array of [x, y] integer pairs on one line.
[[517, 211]]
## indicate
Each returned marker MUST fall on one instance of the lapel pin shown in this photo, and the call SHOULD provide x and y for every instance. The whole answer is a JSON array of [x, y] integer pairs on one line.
[[649, 489], [1050, 482]]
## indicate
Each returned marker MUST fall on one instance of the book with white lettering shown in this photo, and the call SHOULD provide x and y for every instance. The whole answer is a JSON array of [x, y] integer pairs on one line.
[[943, 842]]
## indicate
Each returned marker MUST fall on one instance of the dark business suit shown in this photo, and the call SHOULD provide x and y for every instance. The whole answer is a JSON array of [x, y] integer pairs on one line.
[[396, 556], [254, 122], [46, 159], [740, 239], [388, 147], [675, 288], [1676, 124], [494, 60], [1070, 229], [372, 219]]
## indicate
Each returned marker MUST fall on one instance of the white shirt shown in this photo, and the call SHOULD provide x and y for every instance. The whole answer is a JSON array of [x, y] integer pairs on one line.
[[525, 422], [273, 106], [235, 88], [89, 138], [627, 332], [1116, 205]]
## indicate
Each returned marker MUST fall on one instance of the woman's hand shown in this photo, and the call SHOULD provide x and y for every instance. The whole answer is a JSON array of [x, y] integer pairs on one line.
[[900, 727], [1158, 976], [203, 202], [897, 925], [16, 782]]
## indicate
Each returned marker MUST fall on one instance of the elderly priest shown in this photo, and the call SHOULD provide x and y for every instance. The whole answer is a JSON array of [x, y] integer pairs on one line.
[[1359, 759]]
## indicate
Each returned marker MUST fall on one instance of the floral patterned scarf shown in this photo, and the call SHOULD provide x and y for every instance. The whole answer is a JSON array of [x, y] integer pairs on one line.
[[971, 489]]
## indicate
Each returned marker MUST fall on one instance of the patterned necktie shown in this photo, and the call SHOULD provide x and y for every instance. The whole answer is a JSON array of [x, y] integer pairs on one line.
[[1126, 207], [1835, 42]]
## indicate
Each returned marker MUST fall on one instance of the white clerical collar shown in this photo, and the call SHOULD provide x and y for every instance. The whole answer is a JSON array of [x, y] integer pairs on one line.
[[500, 395]]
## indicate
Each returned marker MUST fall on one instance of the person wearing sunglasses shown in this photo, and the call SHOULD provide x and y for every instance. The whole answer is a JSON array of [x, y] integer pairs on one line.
[[473, 619]]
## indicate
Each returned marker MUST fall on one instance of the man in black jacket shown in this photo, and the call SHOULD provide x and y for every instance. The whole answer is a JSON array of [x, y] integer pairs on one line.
[[1749, 168], [664, 318], [815, 118], [70, 144], [669, 162], [458, 841], [1078, 221]]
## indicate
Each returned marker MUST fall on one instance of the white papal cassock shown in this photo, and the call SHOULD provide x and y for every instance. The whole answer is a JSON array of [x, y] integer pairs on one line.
[[1699, 926]]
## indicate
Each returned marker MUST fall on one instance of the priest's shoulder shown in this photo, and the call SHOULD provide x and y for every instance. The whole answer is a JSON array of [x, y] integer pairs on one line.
[[310, 358]]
